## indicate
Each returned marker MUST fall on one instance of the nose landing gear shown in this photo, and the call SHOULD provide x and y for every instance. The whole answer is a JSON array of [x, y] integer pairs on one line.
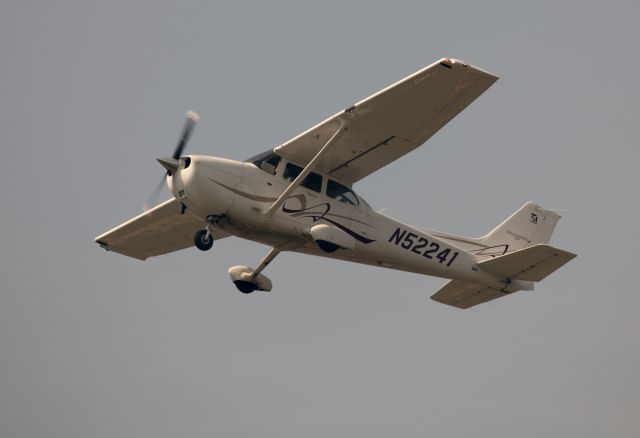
[[203, 238]]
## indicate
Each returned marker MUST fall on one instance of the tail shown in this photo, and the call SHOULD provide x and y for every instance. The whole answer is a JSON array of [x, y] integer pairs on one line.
[[515, 250], [530, 225]]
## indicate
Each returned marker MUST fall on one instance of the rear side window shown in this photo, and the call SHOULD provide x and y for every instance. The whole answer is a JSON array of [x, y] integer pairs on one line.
[[313, 181], [341, 193]]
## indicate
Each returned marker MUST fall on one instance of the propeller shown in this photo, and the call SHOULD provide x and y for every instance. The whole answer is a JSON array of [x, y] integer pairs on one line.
[[171, 164]]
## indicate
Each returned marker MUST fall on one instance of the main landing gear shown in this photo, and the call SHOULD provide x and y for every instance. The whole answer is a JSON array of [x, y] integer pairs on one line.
[[203, 238], [248, 280]]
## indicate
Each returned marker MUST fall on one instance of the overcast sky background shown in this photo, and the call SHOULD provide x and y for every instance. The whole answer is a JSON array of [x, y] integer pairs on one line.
[[96, 344]]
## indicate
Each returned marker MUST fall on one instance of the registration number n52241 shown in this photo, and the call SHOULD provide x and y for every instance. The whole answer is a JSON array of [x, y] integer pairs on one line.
[[421, 246]]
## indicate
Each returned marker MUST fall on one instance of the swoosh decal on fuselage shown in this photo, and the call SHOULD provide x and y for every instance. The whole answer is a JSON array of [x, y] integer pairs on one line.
[[304, 211], [483, 250], [321, 213], [245, 194]]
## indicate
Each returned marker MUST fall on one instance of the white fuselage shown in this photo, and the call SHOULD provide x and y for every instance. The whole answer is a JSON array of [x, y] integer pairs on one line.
[[241, 193]]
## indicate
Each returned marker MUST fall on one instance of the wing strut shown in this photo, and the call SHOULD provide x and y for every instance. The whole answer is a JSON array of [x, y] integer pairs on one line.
[[312, 164], [265, 261]]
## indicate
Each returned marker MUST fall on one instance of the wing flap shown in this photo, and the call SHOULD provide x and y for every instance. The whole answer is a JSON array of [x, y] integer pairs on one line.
[[161, 230], [464, 295], [533, 263]]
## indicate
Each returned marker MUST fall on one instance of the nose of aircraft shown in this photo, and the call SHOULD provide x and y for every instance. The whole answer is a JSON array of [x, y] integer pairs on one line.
[[192, 180], [171, 164]]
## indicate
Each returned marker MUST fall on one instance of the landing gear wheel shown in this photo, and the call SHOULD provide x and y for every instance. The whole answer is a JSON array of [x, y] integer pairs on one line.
[[327, 246], [245, 287], [202, 242]]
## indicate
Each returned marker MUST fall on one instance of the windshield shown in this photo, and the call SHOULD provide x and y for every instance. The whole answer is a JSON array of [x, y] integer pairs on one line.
[[267, 161]]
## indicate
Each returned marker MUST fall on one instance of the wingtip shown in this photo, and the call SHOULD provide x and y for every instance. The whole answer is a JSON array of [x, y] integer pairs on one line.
[[451, 62]]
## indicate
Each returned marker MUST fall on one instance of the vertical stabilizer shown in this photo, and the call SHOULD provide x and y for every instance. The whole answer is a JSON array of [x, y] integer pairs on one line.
[[530, 225]]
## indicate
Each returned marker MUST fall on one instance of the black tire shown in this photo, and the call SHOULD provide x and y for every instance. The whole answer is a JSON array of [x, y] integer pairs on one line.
[[245, 287], [201, 243], [327, 246]]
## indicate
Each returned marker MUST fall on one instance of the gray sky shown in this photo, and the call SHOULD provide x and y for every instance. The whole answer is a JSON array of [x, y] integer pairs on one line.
[[96, 344]]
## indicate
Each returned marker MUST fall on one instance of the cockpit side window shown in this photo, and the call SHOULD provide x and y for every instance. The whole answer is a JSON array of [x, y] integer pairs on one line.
[[341, 193], [313, 181], [267, 161], [291, 171]]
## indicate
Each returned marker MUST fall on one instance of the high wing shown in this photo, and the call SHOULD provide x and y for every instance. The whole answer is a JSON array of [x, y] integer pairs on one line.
[[392, 122], [161, 230]]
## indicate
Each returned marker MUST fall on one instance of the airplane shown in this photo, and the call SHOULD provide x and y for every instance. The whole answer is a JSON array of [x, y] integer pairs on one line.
[[299, 197]]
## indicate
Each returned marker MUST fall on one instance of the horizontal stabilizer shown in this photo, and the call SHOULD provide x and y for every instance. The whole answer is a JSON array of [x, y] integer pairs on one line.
[[463, 295], [531, 264]]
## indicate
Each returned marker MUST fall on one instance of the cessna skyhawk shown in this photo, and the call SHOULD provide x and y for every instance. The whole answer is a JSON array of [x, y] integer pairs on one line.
[[299, 197]]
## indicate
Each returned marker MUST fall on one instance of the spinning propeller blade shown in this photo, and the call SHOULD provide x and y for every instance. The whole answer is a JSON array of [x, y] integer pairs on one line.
[[171, 163], [153, 199], [189, 123]]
